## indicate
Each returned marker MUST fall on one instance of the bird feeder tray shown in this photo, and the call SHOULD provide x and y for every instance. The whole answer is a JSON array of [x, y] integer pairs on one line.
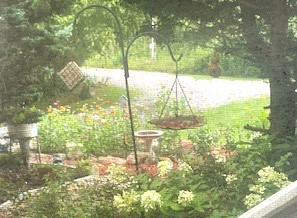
[[179, 122], [71, 75]]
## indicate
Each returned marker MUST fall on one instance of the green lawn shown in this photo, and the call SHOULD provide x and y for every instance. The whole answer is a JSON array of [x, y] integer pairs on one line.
[[73, 98], [238, 114]]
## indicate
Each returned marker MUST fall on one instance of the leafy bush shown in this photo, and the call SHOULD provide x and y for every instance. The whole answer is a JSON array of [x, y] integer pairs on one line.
[[81, 199], [58, 128], [268, 183]]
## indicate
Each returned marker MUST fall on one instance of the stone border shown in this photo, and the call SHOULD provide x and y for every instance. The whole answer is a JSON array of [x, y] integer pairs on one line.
[[9, 204], [276, 204]]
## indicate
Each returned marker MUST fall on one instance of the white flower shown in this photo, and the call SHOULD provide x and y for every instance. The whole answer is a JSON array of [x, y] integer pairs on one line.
[[126, 202], [265, 172], [185, 198], [117, 174], [252, 199], [164, 167], [255, 135], [269, 175], [260, 189], [150, 200], [185, 168], [230, 178], [220, 159]]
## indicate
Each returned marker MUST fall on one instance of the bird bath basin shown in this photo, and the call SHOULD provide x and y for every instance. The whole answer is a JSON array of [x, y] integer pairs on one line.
[[148, 136]]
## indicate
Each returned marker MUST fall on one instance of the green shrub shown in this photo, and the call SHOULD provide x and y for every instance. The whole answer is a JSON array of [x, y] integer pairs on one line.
[[82, 200], [58, 128]]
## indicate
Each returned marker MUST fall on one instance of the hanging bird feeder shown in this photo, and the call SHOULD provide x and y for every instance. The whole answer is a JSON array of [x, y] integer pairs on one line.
[[214, 70], [178, 121]]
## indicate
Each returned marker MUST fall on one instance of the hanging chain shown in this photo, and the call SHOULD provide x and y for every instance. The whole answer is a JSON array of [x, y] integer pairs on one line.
[[176, 90], [175, 84]]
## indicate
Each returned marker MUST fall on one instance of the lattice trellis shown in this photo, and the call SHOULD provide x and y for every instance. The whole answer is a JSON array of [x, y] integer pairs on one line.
[[72, 75]]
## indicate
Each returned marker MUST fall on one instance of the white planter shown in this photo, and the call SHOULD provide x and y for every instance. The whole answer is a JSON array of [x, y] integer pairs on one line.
[[23, 130]]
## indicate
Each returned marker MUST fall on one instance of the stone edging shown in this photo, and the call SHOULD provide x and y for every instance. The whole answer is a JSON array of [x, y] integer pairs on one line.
[[9, 204]]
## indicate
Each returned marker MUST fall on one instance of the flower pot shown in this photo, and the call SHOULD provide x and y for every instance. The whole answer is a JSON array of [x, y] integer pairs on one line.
[[22, 130]]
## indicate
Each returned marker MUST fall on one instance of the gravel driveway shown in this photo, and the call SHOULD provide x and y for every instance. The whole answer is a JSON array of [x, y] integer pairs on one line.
[[202, 93]]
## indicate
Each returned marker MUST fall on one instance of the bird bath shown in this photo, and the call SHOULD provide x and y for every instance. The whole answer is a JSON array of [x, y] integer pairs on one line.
[[148, 136]]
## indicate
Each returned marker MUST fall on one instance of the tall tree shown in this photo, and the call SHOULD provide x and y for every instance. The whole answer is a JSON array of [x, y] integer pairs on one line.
[[262, 31], [32, 45]]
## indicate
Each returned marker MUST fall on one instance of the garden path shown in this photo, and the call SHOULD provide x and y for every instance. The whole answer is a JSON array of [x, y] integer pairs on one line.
[[202, 93]]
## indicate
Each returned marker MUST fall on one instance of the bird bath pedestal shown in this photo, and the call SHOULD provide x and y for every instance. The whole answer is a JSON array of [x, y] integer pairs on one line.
[[148, 136]]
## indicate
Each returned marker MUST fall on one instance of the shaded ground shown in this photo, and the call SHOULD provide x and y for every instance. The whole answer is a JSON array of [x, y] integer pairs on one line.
[[16, 179]]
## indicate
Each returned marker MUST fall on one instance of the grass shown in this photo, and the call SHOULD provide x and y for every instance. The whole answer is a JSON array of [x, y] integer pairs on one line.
[[234, 115], [109, 93], [238, 114], [163, 64], [231, 119], [114, 93]]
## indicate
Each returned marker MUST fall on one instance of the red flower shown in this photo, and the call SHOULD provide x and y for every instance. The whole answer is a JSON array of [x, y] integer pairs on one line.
[[216, 151], [103, 170]]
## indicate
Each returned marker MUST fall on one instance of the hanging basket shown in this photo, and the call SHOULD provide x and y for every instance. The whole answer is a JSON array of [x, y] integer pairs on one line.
[[20, 131], [179, 122]]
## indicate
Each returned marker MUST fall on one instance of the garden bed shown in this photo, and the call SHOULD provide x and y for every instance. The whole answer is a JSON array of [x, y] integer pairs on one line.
[[16, 179]]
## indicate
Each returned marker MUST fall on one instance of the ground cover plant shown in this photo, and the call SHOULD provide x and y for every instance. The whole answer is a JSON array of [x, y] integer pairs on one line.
[[17, 179], [191, 188]]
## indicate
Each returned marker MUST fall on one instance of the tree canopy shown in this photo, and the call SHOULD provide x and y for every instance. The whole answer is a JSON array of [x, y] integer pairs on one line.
[[34, 38], [263, 32]]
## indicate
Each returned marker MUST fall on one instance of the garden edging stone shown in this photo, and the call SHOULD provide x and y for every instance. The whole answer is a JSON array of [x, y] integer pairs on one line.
[[9, 204]]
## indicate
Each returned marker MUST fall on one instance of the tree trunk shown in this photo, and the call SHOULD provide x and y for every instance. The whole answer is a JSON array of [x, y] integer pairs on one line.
[[282, 92], [282, 105]]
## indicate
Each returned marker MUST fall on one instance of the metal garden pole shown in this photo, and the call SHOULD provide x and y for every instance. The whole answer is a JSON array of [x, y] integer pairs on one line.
[[125, 66]]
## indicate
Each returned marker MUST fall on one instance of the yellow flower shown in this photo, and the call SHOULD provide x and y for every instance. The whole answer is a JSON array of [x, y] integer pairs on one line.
[[49, 110], [62, 108]]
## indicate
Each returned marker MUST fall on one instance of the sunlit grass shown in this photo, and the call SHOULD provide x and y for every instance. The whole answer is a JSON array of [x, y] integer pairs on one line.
[[240, 113], [108, 93]]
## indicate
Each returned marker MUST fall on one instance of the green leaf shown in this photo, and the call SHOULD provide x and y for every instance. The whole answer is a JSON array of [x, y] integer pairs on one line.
[[176, 206]]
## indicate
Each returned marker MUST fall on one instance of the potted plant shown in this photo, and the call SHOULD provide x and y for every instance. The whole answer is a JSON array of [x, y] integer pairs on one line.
[[21, 121], [20, 115]]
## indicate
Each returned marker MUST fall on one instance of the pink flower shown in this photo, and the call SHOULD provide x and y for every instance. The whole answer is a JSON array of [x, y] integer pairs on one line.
[[115, 121], [217, 151]]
